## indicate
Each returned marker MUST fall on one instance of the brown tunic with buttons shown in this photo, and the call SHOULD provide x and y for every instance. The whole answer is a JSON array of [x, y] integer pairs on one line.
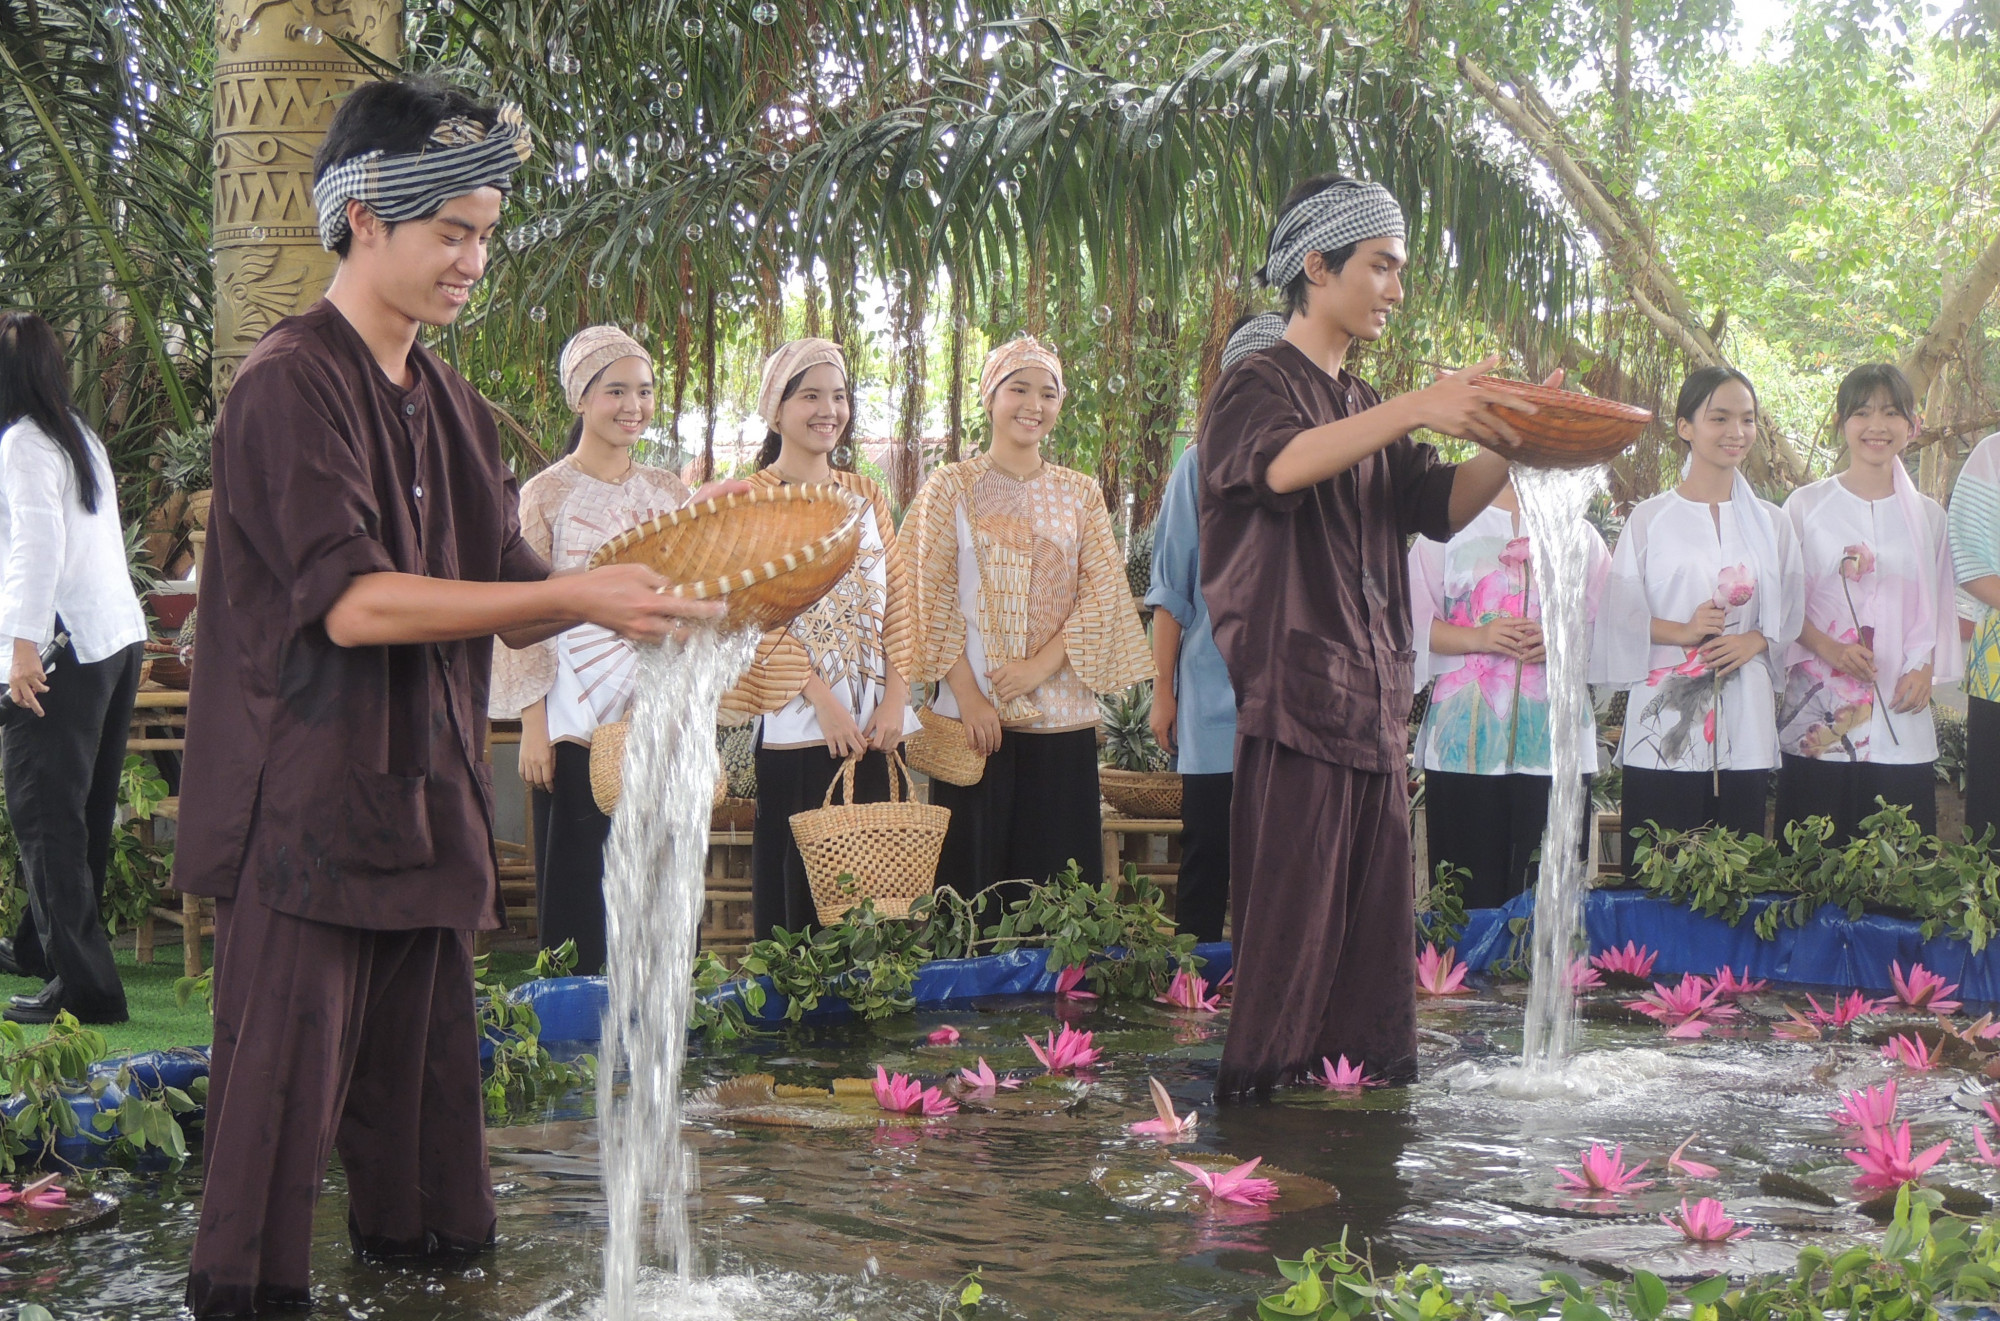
[[1309, 595], [337, 803]]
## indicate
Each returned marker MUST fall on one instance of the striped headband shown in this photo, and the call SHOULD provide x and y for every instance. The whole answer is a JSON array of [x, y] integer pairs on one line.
[[588, 353], [1346, 212], [1253, 336], [793, 359], [1027, 351], [462, 156]]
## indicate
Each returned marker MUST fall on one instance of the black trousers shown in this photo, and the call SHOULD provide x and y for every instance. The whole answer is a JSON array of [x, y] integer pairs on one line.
[[792, 780], [61, 773], [1982, 769], [1032, 813], [1201, 899], [1492, 826], [569, 861], [1686, 800], [1847, 790]]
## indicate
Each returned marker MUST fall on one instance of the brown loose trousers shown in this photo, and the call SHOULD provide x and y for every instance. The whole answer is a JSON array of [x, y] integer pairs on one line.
[[337, 804], [1309, 595]]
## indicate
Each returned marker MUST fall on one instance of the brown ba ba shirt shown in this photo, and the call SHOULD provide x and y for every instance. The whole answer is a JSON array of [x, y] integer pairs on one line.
[[1309, 590], [345, 785]]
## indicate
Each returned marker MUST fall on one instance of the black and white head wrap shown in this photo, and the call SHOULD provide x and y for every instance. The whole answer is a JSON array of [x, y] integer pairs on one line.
[[462, 155], [1253, 336], [1346, 212]]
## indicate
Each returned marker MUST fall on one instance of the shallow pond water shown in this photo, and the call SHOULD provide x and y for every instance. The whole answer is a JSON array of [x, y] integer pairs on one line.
[[1069, 1215]]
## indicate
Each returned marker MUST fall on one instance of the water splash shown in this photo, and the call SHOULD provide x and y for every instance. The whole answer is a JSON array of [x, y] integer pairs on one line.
[[1553, 504], [653, 886]]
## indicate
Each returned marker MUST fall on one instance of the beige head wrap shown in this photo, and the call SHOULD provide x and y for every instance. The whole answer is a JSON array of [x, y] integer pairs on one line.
[[589, 352], [801, 355], [1027, 351]]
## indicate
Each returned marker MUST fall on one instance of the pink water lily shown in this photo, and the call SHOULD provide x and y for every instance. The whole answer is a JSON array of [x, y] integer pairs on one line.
[[1911, 1052], [1985, 1156], [1694, 1169], [1704, 1222], [1686, 1009], [1729, 985], [1342, 1077], [901, 1094], [1856, 563], [1165, 1123], [1922, 989], [1992, 1111], [1065, 1050], [1066, 983], [1583, 977], [1885, 1158], [1635, 960], [1440, 974], [944, 1036], [44, 1194], [1734, 586], [1237, 1185], [1604, 1172], [1874, 1107], [1189, 991], [1854, 1005], [1797, 1028], [982, 1078]]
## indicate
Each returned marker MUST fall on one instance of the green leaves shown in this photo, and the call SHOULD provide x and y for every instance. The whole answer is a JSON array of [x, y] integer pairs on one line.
[[523, 1073]]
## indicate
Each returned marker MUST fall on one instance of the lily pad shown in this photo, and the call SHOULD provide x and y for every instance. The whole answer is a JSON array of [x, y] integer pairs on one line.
[[1154, 1185], [1544, 1198], [1959, 1201], [1620, 1250], [1780, 1184], [76, 1216]]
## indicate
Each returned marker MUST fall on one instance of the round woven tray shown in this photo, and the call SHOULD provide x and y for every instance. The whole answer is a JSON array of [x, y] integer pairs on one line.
[[1151, 795], [769, 553], [940, 751], [607, 768], [1570, 430], [888, 851]]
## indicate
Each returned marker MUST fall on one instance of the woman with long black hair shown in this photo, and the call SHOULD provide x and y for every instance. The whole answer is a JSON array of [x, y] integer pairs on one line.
[[65, 593]]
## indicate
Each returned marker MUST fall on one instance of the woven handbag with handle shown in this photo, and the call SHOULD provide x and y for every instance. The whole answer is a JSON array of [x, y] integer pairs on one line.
[[607, 768], [889, 851], [941, 750]]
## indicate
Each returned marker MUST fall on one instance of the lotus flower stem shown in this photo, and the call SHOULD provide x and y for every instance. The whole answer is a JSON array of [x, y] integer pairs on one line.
[[1855, 617]]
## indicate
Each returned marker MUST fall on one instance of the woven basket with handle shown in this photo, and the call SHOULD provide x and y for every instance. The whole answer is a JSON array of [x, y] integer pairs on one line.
[[941, 750], [888, 850], [607, 768], [1148, 795]]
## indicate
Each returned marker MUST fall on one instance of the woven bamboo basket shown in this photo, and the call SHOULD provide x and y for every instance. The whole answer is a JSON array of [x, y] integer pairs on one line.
[[1149, 795], [607, 768], [768, 553], [940, 750], [1571, 430], [889, 850]]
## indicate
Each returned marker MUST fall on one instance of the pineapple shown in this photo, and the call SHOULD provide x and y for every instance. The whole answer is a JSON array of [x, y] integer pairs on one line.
[[1129, 744]]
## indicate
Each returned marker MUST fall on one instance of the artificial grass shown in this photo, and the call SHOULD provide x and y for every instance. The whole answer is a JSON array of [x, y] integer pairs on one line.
[[158, 1022]]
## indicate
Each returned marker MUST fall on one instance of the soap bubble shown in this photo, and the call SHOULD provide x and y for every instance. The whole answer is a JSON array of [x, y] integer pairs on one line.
[[653, 140], [764, 14], [1146, 302], [311, 35], [1115, 385], [257, 234], [493, 375], [674, 90], [881, 171], [656, 108], [677, 148], [538, 313], [1020, 169], [551, 228], [1154, 141], [1101, 315], [1230, 110], [913, 178], [1007, 188], [781, 161], [692, 28], [693, 231], [598, 279]]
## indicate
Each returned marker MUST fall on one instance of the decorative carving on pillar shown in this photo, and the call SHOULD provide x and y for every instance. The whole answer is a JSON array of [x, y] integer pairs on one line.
[[278, 78]]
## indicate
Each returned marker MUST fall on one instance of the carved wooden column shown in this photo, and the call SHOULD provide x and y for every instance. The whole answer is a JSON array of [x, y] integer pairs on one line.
[[278, 77]]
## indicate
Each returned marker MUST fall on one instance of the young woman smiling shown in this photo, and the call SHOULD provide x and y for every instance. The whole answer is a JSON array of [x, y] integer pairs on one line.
[[831, 684], [1024, 616], [1881, 623], [567, 686], [1704, 597]]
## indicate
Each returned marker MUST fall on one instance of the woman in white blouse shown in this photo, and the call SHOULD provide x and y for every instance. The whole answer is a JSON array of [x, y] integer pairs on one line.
[[65, 592], [1704, 598]]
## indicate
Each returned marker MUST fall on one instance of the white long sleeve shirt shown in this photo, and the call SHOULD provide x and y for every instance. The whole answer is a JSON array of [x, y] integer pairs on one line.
[[58, 558]]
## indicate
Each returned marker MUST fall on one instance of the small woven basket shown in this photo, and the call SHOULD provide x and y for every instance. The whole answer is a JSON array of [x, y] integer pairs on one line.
[[890, 850], [941, 751], [1149, 795], [607, 768], [767, 554]]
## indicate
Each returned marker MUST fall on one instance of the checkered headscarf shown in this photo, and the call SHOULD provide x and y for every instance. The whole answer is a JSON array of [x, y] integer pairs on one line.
[[1346, 212], [462, 155]]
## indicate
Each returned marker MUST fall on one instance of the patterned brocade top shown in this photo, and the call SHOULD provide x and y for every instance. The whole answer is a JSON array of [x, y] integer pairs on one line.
[[1003, 566], [586, 672], [851, 636], [1975, 553]]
